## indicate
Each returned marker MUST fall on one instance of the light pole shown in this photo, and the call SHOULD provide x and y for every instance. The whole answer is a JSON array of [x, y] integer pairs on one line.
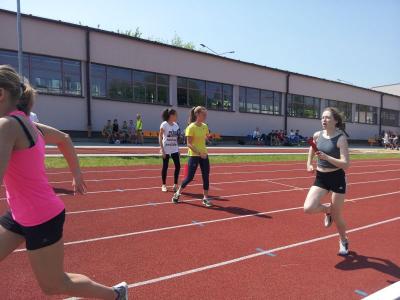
[[229, 52], [19, 34]]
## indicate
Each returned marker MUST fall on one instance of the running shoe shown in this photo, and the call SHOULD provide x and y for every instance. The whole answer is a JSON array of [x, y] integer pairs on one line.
[[164, 188], [327, 220], [207, 202], [175, 198], [343, 247], [122, 291]]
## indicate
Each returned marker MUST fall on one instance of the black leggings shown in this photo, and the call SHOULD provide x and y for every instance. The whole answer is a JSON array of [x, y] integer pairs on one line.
[[177, 163], [194, 162]]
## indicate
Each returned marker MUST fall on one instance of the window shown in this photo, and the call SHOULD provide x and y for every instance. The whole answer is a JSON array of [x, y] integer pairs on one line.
[[253, 100], [242, 99], [390, 117], [162, 88], [259, 101], [219, 96], [129, 85], [144, 87], [11, 58], [72, 77], [303, 106], [98, 79], [119, 83], [366, 114], [344, 107], [48, 74], [191, 92]]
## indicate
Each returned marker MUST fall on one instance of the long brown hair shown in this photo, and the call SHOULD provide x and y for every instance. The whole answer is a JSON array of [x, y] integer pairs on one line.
[[194, 112], [339, 117], [21, 92]]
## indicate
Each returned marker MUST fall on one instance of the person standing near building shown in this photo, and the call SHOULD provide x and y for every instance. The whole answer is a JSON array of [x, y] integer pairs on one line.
[[34, 118], [197, 134], [168, 140], [36, 215], [139, 129], [333, 159]]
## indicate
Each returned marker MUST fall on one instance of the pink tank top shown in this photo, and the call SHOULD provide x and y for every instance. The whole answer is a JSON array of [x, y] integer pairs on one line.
[[31, 199]]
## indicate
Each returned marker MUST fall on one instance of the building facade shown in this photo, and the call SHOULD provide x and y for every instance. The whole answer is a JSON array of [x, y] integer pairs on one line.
[[86, 76]]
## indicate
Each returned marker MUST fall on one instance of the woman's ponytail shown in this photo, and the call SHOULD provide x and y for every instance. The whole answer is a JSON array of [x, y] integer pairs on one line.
[[26, 101], [192, 116], [21, 92]]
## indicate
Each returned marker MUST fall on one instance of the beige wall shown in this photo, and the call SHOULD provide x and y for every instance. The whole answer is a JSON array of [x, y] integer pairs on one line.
[[334, 91], [49, 38]]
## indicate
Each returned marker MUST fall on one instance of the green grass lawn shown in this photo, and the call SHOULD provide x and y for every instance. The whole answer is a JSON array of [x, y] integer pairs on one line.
[[55, 162]]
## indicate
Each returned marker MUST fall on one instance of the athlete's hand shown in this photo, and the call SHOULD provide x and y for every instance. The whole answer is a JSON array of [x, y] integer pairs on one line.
[[310, 169], [203, 155], [79, 184], [163, 154], [322, 155]]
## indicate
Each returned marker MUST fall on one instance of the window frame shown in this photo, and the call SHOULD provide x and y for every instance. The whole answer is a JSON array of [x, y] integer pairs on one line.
[[187, 88], [357, 114], [301, 103], [29, 77], [132, 84], [244, 108]]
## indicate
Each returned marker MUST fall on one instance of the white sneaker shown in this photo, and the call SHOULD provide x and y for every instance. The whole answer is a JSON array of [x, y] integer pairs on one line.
[[175, 198], [164, 188], [327, 220], [343, 247], [122, 291], [207, 202]]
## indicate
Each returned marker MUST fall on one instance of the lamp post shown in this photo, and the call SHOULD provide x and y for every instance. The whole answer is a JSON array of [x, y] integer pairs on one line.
[[19, 34], [228, 52]]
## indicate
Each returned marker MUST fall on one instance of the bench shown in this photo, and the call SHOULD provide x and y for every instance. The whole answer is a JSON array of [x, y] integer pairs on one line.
[[372, 142]]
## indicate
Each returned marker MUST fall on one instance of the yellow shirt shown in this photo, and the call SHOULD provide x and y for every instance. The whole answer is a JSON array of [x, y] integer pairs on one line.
[[139, 124], [199, 135]]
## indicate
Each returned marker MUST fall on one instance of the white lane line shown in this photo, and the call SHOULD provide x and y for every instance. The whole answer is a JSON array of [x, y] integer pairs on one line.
[[205, 222], [272, 180], [198, 175], [354, 163], [293, 188], [253, 255]]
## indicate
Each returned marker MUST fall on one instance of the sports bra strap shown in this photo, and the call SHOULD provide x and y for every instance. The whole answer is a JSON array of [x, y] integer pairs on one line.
[[27, 133]]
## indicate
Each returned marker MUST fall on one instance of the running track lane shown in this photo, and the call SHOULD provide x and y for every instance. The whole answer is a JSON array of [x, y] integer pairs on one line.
[[162, 254]]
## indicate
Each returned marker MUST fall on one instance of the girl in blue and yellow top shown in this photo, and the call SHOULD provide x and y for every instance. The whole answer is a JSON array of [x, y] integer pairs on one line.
[[197, 133]]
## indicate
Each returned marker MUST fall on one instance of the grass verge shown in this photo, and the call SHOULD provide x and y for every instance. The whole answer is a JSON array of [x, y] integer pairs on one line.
[[56, 162]]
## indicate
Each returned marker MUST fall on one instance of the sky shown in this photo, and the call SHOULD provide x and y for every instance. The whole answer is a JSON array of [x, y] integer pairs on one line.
[[357, 41]]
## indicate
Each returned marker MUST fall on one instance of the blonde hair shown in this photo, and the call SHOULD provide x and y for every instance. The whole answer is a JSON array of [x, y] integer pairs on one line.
[[21, 92], [194, 112]]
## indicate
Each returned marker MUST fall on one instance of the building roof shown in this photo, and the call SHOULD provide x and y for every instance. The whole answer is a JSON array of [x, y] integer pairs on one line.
[[378, 86], [189, 50]]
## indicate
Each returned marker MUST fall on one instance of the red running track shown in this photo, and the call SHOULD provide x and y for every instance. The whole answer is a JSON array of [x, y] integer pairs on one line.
[[161, 240]]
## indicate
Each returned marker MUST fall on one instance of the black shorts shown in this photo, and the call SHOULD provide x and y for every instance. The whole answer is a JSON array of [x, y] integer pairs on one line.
[[38, 236], [331, 181]]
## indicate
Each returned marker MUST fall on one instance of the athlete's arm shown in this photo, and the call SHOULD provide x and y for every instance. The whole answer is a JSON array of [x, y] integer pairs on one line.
[[311, 154], [344, 161], [64, 144], [160, 138], [191, 146], [8, 137]]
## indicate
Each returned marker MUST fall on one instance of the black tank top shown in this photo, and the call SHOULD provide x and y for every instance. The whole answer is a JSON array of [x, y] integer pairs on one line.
[[329, 147]]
